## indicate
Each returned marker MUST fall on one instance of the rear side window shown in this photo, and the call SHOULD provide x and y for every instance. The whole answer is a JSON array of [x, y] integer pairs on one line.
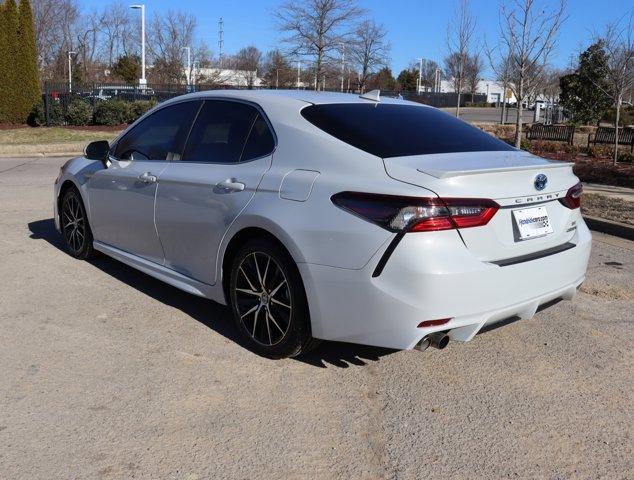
[[260, 141], [388, 130], [227, 132], [160, 134]]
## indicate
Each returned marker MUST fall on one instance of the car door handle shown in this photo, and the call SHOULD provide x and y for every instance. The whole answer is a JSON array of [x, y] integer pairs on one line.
[[147, 177], [230, 185]]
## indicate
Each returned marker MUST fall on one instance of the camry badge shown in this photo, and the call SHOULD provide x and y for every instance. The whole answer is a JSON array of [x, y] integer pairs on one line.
[[540, 182]]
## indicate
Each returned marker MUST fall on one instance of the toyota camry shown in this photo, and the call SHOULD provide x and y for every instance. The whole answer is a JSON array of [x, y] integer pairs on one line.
[[330, 216]]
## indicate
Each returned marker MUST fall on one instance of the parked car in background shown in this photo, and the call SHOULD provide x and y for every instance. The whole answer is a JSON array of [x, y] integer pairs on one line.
[[330, 216], [125, 92]]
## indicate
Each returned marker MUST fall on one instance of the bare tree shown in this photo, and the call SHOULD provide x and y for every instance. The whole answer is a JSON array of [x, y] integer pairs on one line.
[[428, 74], [87, 45], [454, 71], [550, 88], [169, 35], [114, 25], [248, 61], [317, 28], [473, 73], [500, 61], [370, 50], [459, 38], [278, 71], [618, 40], [528, 34], [55, 24]]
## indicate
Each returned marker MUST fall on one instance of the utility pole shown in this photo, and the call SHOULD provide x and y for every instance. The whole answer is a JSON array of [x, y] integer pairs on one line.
[[221, 40], [142, 80], [189, 59], [70, 73]]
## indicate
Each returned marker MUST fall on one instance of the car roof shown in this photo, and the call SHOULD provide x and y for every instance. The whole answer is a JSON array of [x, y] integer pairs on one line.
[[292, 96]]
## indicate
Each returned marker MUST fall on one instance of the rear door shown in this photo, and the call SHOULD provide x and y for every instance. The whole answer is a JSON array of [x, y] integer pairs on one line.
[[122, 196], [228, 151]]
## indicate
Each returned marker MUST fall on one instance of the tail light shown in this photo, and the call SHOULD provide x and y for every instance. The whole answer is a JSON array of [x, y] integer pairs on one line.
[[572, 199], [413, 214]]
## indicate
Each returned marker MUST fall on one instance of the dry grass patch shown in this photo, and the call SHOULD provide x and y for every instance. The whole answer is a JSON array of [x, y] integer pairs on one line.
[[611, 208], [43, 135]]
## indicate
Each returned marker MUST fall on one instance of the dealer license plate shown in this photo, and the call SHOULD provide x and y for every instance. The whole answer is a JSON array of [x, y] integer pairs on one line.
[[532, 222]]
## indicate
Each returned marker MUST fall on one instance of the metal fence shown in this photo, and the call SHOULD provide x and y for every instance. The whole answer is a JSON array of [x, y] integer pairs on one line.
[[441, 99], [59, 95]]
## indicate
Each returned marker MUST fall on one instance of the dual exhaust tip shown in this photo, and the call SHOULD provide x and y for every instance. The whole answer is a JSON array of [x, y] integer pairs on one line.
[[437, 340]]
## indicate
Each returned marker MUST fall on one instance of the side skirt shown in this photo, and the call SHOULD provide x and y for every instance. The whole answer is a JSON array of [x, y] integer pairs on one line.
[[163, 273]]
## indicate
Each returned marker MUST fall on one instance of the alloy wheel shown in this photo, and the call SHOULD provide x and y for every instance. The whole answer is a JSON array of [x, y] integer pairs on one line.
[[263, 298], [74, 224]]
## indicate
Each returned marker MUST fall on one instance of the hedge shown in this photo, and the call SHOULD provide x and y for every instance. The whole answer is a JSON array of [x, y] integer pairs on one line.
[[79, 113], [37, 117]]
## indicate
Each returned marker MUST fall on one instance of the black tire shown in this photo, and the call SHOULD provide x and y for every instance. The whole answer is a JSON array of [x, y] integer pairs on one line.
[[268, 300], [75, 227]]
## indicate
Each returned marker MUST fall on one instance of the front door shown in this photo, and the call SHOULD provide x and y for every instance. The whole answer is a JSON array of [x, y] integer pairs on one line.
[[122, 196], [228, 151]]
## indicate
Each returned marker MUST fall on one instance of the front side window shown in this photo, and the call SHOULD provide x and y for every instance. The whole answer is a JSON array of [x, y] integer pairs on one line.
[[159, 135], [227, 132], [392, 130]]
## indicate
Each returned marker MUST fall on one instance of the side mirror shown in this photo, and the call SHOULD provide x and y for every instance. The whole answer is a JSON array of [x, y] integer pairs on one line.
[[98, 151]]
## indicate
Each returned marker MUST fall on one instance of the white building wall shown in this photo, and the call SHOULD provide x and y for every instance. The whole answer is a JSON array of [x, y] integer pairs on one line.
[[491, 88], [232, 78]]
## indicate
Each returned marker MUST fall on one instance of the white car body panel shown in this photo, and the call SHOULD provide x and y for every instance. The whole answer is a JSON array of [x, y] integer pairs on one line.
[[429, 275]]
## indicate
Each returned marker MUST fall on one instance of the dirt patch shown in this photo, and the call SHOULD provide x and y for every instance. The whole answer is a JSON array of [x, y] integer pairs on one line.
[[607, 292]]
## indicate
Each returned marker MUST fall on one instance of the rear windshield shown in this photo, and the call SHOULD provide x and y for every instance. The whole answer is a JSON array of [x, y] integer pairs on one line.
[[388, 130]]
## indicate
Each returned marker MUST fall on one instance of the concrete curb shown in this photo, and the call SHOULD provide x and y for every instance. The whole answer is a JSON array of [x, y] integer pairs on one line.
[[611, 228]]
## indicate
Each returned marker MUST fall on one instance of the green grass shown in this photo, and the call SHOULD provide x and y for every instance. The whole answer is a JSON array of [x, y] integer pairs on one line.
[[43, 135]]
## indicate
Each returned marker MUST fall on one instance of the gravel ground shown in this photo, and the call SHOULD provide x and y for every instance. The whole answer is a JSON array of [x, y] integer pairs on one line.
[[106, 373]]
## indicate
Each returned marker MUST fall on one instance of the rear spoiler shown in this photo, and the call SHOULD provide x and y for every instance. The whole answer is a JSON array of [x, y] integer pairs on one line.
[[438, 173]]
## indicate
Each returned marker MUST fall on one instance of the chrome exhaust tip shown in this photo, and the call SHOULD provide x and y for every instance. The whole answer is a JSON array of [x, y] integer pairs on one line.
[[422, 345], [438, 340]]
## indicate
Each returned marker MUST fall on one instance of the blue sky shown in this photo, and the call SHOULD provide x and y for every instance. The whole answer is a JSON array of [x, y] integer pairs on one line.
[[415, 28]]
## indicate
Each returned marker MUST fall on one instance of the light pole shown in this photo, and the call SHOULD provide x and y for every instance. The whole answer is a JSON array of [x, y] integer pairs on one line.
[[70, 73], [142, 80], [299, 73], [420, 76], [189, 59], [343, 63]]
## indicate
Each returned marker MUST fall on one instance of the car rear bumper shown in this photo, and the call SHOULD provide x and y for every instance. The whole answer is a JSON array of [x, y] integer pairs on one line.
[[433, 276]]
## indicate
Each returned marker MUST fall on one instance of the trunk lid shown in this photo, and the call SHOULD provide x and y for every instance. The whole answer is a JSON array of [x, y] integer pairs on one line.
[[507, 177]]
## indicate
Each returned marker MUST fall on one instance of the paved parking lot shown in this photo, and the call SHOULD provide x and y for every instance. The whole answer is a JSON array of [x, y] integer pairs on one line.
[[491, 115], [106, 373]]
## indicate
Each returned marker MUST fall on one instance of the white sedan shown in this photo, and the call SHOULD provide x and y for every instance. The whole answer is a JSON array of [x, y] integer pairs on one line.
[[330, 216]]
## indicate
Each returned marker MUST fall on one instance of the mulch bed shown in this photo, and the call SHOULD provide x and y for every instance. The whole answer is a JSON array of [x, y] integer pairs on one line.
[[97, 128], [596, 170], [11, 126], [93, 128]]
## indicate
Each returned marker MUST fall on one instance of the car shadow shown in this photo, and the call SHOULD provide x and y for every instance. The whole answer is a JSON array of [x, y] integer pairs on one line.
[[211, 314]]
